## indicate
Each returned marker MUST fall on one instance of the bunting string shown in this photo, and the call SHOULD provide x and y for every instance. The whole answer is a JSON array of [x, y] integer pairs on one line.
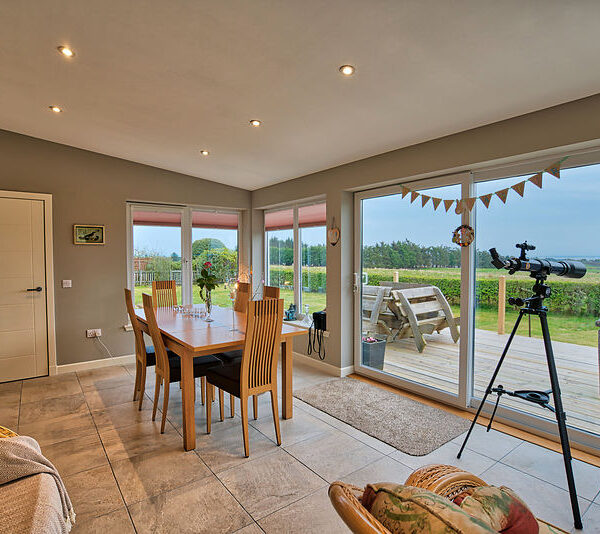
[[467, 204]]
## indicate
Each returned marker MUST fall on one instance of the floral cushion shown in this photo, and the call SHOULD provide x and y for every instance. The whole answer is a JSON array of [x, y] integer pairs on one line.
[[501, 509], [408, 510]]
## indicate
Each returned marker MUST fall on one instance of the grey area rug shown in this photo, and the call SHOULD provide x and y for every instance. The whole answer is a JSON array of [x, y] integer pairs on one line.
[[407, 425]]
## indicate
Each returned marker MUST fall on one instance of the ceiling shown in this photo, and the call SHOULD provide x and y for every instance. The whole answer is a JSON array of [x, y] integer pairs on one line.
[[155, 81]]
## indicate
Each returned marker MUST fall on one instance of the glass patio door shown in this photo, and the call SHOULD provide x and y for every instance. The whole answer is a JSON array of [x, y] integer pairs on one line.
[[408, 287]]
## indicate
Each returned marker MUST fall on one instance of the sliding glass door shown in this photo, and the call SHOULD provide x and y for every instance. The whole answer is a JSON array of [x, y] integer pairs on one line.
[[172, 243]]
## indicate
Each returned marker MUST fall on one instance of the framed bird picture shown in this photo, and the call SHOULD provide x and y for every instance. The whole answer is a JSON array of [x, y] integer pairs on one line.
[[88, 234]]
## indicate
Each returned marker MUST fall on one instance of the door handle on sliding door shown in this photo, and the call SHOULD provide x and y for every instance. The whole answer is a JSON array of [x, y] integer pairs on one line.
[[38, 289]]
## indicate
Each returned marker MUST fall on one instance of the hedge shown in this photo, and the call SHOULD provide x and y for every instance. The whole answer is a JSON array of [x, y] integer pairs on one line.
[[576, 298]]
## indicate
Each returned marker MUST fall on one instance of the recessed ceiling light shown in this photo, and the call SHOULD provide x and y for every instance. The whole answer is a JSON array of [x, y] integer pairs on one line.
[[255, 122], [55, 109], [347, 70], [204, 152], [65, 51]]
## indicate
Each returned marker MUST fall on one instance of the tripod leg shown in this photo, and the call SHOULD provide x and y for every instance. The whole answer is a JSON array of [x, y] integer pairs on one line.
[[492, 380], [561, 420]]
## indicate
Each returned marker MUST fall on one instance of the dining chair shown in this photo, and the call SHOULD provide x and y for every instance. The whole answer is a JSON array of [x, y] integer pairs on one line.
[[256, 372], [167, 369], [164, 293], [242, 297], [270, 292]]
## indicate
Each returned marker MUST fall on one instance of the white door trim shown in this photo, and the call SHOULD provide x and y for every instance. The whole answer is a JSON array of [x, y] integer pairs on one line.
[[49, 268]]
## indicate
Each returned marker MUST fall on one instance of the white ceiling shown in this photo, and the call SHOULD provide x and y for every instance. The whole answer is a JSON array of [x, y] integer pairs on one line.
[[155, 81]]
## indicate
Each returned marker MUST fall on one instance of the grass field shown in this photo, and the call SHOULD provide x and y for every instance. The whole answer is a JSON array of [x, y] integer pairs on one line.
[[563, 327]]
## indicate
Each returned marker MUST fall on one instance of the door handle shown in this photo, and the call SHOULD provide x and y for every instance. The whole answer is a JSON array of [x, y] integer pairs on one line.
[[38, 289]]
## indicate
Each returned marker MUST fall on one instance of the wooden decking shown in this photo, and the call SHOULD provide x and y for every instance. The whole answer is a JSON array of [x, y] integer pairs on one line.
[[524, 368]]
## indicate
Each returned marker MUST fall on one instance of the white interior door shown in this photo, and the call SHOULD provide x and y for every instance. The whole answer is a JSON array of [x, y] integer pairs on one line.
[[23, 325]]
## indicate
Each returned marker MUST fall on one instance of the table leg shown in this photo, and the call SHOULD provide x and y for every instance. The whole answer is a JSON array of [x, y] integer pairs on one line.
[[286, 379], [187, 396]]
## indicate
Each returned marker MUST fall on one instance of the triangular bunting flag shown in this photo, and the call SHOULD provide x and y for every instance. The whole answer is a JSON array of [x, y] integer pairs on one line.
[[459, 207], [413, 196], [448, 204], [405, 191], [486, 199], [536, 179], [424, 200], [519, 188], [469, 202], [436, 202], [554, 169], [502, 194]]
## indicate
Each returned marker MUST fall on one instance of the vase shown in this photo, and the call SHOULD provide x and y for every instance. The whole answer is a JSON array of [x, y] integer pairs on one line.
[[208, 305]]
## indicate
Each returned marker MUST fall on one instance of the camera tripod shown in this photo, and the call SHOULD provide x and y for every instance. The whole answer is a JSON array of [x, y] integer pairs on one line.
[[534, 306]]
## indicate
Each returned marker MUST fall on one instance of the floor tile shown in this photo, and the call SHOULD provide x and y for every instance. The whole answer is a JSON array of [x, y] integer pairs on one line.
[[59, 429], [267, 484], [103, 377], [250, 529], [204, 506], [76, 455], [147, 475], [372, 442], [311, 515], [99, 399], [9, 413], [93, 492], [224, 447], [49, 387], [52, 408], [544, 499], [591, 520], [334, 454], [493, 443], [549, 466], [121, 415], [383, 470], [470, 461], [117, 522], [10, 391], [141, 438], [302, 426]]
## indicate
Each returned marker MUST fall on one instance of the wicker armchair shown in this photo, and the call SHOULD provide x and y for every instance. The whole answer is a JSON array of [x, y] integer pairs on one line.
[[445, 480]]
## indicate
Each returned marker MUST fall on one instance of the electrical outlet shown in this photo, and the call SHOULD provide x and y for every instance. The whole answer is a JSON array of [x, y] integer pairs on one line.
[[93, 332]]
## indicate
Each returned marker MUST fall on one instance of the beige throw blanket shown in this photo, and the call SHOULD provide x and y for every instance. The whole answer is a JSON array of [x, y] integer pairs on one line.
[[21, 457]]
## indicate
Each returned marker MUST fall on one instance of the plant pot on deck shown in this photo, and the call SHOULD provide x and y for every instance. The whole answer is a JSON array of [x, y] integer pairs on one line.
[[373, 352]]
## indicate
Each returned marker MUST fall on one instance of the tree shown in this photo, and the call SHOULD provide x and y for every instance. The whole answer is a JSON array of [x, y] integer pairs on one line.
[[175, 256], [224, 263], [207, 243]]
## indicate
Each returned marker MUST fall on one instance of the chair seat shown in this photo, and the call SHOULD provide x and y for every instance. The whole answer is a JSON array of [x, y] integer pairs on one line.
[[202, 365], [226, 377], [230, 357], [151, 356]]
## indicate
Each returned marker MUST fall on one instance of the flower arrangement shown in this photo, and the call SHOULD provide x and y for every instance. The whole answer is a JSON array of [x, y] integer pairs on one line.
[[206, 281], [370, 339]]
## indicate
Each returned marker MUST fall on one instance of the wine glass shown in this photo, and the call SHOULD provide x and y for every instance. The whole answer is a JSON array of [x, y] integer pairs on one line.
[[232, 287]]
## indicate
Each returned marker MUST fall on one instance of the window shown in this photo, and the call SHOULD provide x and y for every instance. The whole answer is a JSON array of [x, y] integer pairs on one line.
[[172, 243], [299, 273]]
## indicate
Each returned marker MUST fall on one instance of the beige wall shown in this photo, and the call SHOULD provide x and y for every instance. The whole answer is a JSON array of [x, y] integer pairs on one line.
[[574, 122], [90, 188]]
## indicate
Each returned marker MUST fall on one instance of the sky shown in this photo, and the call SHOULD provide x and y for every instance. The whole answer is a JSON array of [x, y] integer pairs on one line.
[[561, 219]]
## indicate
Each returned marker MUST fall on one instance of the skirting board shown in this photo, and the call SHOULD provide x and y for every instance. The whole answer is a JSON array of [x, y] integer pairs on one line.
[[95, 364], [323, 366]]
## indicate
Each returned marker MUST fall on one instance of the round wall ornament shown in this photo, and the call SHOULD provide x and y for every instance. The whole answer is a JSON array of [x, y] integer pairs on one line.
[[463, 235], [333, 234]]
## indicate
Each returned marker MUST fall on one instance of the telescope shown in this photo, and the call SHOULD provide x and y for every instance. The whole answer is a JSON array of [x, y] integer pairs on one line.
[[537, 268]]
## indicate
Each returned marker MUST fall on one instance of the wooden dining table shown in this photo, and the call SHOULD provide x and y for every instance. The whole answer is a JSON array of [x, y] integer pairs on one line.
[[190, 337]]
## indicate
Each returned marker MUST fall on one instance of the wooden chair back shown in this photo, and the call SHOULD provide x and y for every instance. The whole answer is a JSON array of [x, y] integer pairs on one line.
[[162, 360], [270, 292], [242, 297], [263, 338], [164, 293], [140, 345]]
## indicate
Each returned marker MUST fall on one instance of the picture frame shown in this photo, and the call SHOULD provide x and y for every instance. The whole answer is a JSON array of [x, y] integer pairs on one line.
[[89, 234]]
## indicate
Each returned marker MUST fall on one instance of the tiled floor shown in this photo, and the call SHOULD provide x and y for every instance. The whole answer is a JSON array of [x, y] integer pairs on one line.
[[124, 476]]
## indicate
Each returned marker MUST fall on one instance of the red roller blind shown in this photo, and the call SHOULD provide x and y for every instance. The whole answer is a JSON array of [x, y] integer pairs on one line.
[[279, 220], [200, 219], [313, 215]]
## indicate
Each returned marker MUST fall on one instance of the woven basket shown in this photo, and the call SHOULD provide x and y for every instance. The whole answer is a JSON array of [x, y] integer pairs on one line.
[[346, 501], [7, 433]]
